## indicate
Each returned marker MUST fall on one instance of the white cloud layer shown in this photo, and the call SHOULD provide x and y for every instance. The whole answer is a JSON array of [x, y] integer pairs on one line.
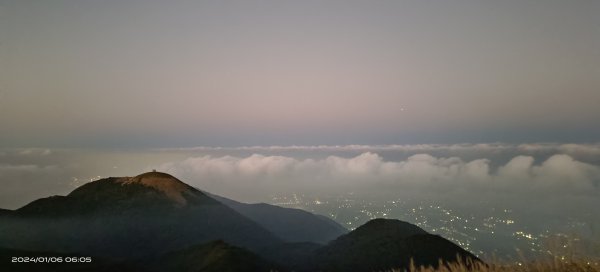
[[559, 173], [462, 171]]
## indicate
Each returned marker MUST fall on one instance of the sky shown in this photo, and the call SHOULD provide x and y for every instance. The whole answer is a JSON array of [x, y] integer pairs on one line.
[[154, 74]]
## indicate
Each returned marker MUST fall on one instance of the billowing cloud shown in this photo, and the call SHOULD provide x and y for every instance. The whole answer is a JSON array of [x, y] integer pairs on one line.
[[585, 152], [254, 173], [522, 174]]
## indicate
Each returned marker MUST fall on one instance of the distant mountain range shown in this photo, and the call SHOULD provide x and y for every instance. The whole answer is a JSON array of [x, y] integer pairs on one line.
[[155, 222]]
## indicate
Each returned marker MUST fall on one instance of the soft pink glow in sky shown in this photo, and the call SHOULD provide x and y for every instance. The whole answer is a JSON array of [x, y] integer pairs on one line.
[[309, 72]]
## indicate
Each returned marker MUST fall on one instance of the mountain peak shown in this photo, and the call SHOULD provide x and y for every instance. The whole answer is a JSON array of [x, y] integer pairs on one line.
[[404, 245], [383, 227], [163, 182]]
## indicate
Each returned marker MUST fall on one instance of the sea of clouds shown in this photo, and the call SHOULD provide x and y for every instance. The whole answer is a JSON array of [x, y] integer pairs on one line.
[[543, 173], [544, 185]]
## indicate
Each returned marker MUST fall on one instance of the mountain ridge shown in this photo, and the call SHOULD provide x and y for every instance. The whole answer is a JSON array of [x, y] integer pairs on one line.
[[155, 216], [385, 244], [129, 217], [291, 225]]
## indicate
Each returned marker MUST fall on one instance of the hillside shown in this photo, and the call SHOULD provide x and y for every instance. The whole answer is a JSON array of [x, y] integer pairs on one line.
[[291, 225], [154, 221], [133, 217], [216, 256], [383, 244]]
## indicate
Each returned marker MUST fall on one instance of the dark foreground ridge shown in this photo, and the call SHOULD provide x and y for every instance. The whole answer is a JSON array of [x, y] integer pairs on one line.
[[155, 222], [383, 244]]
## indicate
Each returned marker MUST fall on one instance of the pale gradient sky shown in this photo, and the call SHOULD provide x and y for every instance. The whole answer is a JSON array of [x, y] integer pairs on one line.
[[232, 73]]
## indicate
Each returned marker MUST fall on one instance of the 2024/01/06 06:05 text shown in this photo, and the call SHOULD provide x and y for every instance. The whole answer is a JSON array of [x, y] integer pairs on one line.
[[51, 259]]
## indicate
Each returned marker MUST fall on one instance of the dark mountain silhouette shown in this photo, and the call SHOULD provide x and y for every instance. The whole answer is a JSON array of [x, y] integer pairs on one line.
[[5, 212], [216, 256], [129, 217], [293, 256], [291, 225], [155, 222], [383, 244]]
